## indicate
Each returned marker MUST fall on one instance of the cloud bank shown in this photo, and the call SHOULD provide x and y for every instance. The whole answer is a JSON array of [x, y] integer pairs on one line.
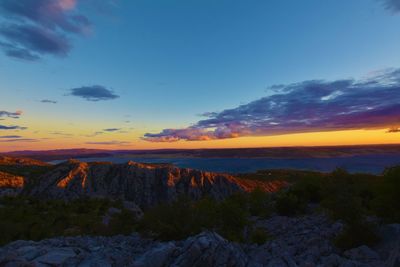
[[309, 106], [34, 28], [93, 93]]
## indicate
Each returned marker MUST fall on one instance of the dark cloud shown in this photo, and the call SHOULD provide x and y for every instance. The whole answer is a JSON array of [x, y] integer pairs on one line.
[[309, 106], [13, 127], [10, 136], [34, 28], [48, 101], [93, 93], [14, 115], [111, 129], [108, 143], [61, 133], [94, 134], [18, 53], [33, 38], [392, 5], [19, 140]]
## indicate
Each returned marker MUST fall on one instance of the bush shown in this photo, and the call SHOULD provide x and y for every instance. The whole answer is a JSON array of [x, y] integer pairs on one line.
[[33, 219], [259, 204], [387, 203], [288, 204], [259, 236], [170, 221], [355, 235], [308, 189], [184, 218]]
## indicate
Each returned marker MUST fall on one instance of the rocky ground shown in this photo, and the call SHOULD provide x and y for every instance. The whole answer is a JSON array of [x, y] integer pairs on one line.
[[301, 241]]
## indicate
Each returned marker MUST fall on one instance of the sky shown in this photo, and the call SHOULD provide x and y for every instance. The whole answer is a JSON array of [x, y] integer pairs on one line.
[[143, 74]]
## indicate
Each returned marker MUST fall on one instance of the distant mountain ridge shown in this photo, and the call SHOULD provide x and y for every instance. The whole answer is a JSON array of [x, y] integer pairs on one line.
[[273, 152]]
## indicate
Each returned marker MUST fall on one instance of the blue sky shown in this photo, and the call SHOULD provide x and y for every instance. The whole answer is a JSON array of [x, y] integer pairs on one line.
[[170, 61]]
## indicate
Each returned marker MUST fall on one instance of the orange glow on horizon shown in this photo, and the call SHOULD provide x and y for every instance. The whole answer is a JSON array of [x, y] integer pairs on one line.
[[132, 141]]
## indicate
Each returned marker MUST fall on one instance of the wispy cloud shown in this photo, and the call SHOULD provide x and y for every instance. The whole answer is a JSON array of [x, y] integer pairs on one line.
[[22, 140], [14, 115], [61, 133], [93, 93], [111, 129], [48, 101], [10, 136], [109, 143], [394, 130], [309, 106], [392, 5], [13, 127], [34, 28]]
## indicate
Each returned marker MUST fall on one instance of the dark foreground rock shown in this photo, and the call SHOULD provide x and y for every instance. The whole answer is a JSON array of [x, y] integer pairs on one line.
[[303, 241]]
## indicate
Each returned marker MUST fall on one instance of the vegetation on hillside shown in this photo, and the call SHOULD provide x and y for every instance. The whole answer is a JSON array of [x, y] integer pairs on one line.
[[33, 219], [229, 217], [355, 199]]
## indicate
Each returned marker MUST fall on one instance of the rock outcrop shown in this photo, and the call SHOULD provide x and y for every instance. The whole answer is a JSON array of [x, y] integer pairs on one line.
[[17, 161], [10, 184], [295, 242], [143, 184]]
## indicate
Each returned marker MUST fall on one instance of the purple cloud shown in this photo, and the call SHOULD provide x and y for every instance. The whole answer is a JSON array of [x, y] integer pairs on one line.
[[93, 93], [35, 28], [13, 127], [33, 38], [14, 115], [10, 136], [19, 140], [309, 106], [111, 129]]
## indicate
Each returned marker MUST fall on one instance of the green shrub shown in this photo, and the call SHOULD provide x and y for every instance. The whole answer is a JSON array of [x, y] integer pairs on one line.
[[259, 204], [184, 218], [33, 219], [355, 235], [308, 189], [387, 203], [169, 221], [259, 236], [288, 204]]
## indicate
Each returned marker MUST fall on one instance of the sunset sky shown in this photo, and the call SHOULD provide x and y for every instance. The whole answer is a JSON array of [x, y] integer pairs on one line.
[[146, 74]]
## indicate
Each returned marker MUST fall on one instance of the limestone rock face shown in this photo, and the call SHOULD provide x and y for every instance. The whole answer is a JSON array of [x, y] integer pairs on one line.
[[17, 161], [10, 184], [143, 184]]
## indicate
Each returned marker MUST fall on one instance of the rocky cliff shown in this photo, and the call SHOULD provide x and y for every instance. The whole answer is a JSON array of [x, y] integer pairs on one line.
[[10, 184], [144, 184]]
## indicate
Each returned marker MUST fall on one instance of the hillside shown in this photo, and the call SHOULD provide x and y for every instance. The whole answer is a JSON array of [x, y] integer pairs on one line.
[[144, 184]]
